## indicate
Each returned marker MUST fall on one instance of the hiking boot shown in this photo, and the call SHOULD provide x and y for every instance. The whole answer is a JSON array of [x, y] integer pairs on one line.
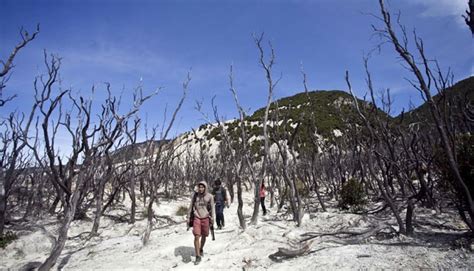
[[219, 227], [198, 260]]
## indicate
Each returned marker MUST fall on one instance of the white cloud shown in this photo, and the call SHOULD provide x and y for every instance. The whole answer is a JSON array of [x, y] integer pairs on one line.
[[442, 8]]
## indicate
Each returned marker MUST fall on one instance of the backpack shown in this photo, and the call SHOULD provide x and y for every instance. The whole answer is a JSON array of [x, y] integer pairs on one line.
[[191, 217], [219, 196]]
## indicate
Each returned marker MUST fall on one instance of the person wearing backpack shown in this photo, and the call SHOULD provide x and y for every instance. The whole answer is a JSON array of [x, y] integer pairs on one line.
[[221, 200], [201, 213]]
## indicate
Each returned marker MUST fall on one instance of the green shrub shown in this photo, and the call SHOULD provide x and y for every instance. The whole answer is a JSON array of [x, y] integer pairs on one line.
[[215, 133], [256, 148], [182, 210], [352, 195], [7, 238]]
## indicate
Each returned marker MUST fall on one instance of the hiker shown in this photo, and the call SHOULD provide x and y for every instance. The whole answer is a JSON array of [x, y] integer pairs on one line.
[[263, 193], [221, 200], [201, 213]]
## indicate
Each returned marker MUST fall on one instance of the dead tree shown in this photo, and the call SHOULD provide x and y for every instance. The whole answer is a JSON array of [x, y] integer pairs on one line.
[[373, 149], [310, 152], [69, 179], [61, 176], [428, 79], [284, 139], [135, 172], [268, 69], [111, 131], [202, 160], [8, 65], [159, 159], [469, 17], [13, 141], [393, 158], [245, 156]]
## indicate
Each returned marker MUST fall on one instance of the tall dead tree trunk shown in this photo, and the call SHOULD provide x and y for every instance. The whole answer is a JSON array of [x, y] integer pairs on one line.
[[70, 209], [235, 156], [132, 139], [267, 67]]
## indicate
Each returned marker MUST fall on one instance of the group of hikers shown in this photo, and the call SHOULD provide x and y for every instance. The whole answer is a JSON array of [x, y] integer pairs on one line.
[[205, 205]]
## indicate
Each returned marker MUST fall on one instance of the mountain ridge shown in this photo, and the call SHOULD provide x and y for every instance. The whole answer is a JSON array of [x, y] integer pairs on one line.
[[331, 111]]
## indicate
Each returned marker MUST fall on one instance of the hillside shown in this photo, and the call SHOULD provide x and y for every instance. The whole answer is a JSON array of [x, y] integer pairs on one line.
[[309, 117], [331, 112], [135, 151], [329, 109], [456, 99]]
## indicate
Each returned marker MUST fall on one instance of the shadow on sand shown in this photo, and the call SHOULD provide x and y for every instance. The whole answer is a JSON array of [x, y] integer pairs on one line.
[[185, 253]]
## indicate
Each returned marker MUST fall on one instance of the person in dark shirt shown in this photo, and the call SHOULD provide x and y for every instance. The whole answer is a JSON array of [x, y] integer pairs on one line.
[[221, 200]]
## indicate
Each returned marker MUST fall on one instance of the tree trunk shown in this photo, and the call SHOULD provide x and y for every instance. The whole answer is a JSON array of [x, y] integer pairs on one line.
[[3, 211], [29, 204], [384, 189], [295, 208], [69, 212], [149, 225], [134, 201], [53, 207], [283, 196], [256, 203], [292, 197], [38, 199], [299, 209], [60, 242], [409, 217], [240, 214], [98, 208], [316, 189], [231, 193], [272, 193]]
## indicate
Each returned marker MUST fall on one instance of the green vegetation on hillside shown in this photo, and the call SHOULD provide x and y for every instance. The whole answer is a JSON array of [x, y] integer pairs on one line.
[[455, 100], [299, 117]]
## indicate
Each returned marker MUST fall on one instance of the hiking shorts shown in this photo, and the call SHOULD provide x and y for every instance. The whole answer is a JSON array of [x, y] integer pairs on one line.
[[201, 226]]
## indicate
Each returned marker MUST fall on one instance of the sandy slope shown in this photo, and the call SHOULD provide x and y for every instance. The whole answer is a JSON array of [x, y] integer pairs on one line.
[[119, 245]]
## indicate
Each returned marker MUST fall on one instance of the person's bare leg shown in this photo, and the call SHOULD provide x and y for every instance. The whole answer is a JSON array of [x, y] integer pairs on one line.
[[197, 245]]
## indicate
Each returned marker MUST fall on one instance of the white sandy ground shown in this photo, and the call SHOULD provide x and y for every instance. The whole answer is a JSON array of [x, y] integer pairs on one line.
[[118, 247]]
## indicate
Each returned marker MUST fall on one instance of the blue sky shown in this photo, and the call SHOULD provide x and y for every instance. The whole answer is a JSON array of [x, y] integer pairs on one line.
[[155, 43]]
